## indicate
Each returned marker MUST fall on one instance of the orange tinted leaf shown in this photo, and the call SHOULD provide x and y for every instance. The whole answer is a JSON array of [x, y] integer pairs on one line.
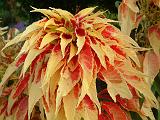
[[132, 5], [151, 66], [154, 35], [127, 18], [114, 111]]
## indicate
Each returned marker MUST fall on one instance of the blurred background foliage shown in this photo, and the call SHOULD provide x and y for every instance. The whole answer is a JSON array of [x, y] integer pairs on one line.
[[13, 11]]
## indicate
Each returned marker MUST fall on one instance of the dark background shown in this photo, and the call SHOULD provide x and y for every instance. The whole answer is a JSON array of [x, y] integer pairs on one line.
[[12, 11]]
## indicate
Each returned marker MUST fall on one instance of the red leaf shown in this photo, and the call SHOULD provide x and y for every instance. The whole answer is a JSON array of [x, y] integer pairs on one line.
[[4, 104], [80, 32], [66, 36], [21, 85], [75, 75], [22, 109], [108, 31], [130, 104], [104, 95], [86, 57], [86, 102], [15, 105], [89, 102], [118, 50], [103, 116], [21, 59]]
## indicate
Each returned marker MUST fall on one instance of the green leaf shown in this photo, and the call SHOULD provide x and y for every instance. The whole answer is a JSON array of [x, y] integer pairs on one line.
[[135, 116]]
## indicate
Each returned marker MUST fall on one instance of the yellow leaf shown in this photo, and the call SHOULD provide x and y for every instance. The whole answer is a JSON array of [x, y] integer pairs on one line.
[[31, 28], [49, 114], [46, 12], [50, 22], [146, 109], [62, 29], [86, 11], [49, 37], [132, 55], [63, 13]]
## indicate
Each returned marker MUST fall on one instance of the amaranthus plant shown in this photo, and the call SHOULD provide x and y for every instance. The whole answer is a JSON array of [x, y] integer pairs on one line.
[[62, 56]]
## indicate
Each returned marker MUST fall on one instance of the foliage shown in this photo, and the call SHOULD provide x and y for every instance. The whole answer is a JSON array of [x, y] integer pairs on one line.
[[144, 18], [62, 56]]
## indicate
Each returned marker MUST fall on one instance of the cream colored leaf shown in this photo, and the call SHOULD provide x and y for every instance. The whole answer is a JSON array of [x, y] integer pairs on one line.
[[146, 108], [109, 53], [132, 55], [119, 89], [143, 88], [49, 114], [64, 42], [80, 43], [100, 53], [66, 84], [54, 63], [30, 43], [35, 93], [32, 54], [73, 51], [70, 103], [31, 28], [88, 110]]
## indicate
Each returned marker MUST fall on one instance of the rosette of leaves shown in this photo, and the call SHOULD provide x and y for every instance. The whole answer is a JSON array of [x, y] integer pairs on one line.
[[62, 56]]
